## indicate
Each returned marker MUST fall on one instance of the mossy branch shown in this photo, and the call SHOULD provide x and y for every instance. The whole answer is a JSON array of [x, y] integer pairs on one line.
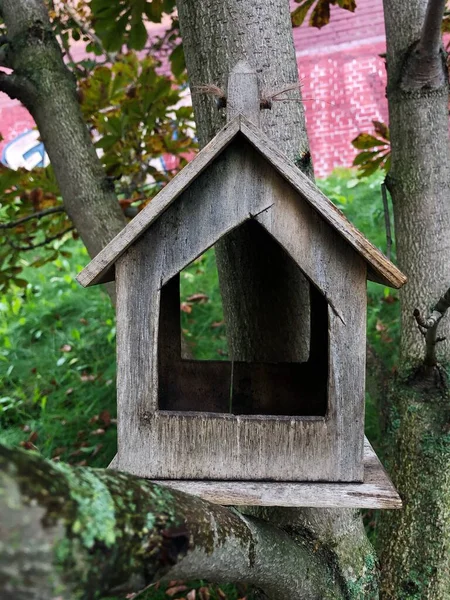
[[79, 533]]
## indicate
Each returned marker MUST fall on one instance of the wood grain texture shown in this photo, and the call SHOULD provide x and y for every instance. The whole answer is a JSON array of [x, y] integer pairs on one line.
[[99, 270], [384, 271], [243, 93], [238, 186], [376, 491]]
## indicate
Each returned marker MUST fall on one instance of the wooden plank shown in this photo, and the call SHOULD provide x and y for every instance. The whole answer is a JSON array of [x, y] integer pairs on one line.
[[376, 491], [100, 269], [196, 445], [138, 300], [243, 93], [387, 272]]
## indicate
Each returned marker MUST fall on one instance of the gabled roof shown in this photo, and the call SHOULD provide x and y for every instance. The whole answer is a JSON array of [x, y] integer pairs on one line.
[[380, 269]]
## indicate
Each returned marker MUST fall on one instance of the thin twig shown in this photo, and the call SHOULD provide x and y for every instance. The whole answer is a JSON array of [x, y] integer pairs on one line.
[[90, 34], [387, 221], [46, 241], [36, 215], [428, 327]]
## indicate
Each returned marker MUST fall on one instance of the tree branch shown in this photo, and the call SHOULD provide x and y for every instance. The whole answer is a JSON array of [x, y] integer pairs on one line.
[[36, 215], [428, 327], [47, 240], [17, 87], [89, 197], [431, 37], [425, 65], [90, 34], [76, 531]]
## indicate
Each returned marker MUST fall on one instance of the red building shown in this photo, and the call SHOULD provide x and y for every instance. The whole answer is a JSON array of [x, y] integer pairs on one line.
[[343, 77]]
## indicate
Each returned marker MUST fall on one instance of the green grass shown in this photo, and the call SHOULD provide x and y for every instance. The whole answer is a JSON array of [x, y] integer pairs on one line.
[[57, 387], [57, 344]]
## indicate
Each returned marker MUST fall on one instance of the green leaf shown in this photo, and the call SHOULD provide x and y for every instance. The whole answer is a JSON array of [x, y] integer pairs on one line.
[[299, 14], [321, 14], [364, 157], [381, 129], [365, 141], [138, 35], [177, 61], [347, 4]]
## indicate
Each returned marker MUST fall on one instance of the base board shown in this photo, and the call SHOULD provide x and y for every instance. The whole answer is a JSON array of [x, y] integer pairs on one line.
[[377, 490]]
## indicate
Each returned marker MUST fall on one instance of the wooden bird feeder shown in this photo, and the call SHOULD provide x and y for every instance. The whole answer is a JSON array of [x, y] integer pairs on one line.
[[292, 433]]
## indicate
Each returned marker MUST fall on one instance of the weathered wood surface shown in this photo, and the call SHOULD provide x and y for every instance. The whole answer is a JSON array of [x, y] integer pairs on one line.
[[101, 269], [243, 97], [376, 491], [380, 269], [157, 444]]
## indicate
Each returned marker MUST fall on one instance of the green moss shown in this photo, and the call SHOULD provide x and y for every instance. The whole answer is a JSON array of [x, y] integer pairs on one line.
[[416, 541], [96, 521]]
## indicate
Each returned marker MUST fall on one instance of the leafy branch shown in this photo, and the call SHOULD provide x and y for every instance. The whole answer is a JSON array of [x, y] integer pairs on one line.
[[375, 150], [320, 14], [37, 215], [46, 241]]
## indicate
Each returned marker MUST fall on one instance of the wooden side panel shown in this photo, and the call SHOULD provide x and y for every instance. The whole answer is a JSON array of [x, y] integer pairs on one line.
[[220, 446], [332, 264], [138, 297]]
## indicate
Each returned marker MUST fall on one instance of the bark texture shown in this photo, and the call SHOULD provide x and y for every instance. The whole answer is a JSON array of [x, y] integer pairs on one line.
[[42, 82], [419, 179], [78, 533], [216, 36], [252, 270], [415, 542]]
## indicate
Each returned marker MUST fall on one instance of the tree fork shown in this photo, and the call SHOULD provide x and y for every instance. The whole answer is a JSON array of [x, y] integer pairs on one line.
[[42, 82]]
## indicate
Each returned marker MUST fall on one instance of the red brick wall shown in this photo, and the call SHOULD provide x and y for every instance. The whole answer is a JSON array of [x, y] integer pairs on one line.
[[343, 81]]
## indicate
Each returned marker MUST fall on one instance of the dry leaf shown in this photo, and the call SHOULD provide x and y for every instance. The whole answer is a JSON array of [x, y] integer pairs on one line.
[[186, 308], [380, 326], [66, 348], [202, 298], [175, 590], [98, 431]]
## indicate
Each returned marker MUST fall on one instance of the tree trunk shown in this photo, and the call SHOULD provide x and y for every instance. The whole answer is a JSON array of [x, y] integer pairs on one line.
[[252, 271], [216, 36], [416, 541], [42, 82], [79, 534]]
